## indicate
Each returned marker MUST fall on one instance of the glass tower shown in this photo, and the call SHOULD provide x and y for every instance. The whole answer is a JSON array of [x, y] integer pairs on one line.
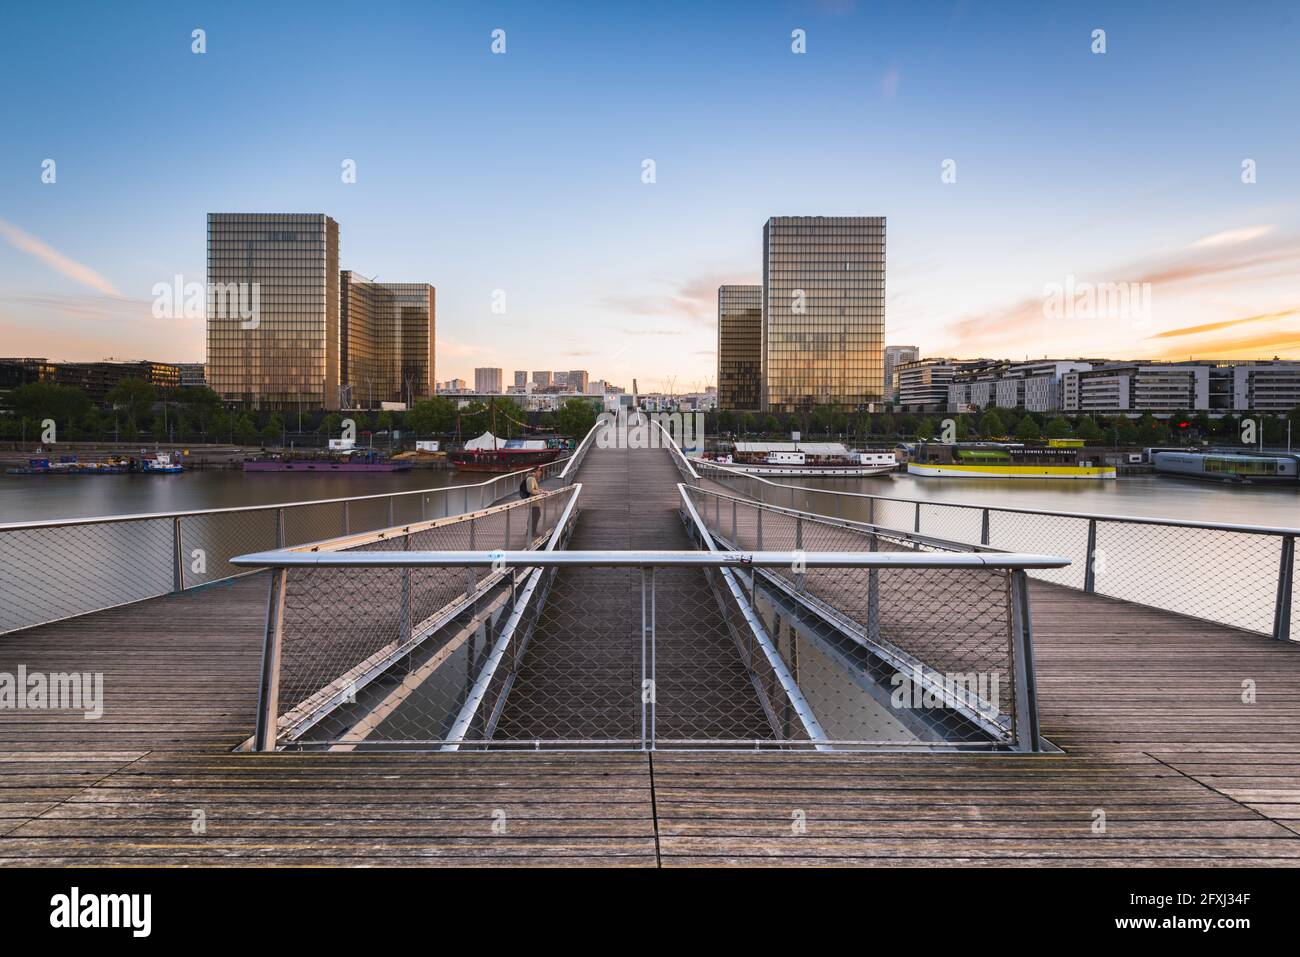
[[386, 348], [823, 311], [740, 347], [273, 309]]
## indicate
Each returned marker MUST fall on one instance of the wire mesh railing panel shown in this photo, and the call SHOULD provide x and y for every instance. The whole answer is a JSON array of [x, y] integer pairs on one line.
[[956, 523], [406, 509], [209, 541], [710, 680], [368, 514], [579, 675], [57, 571], [927, 656], [890, 514], [946, 632], [334, 620], [1044, 534], [1294, 629], [312, 523], [1223, 576]]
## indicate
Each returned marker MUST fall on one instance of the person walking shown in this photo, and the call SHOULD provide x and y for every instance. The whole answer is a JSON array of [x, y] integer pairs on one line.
[[531, 488]]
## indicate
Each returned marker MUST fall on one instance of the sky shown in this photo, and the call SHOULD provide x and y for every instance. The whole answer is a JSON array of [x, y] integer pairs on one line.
[[522, 171]]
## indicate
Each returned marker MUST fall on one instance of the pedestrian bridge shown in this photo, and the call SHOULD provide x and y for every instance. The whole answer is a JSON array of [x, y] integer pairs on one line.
[[645, 665]]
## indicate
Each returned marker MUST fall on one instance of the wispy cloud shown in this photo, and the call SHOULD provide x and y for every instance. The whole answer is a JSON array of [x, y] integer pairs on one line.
[[1223, 264], [1231, 237], [60, 263], [1213, 326], [890, 83], [694, 300]]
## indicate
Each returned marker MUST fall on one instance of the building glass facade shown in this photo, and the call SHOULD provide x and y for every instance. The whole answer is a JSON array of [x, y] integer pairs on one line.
[[823, 311], [740, 347], [287, 265], [387, 344], [487, 381]]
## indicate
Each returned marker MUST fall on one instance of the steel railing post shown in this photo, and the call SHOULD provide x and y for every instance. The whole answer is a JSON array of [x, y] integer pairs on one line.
[[733, 522], [984, 528], [873, 594], [178, 560], [279, 528], [407, 624], [871, 512], [1285, 587], [645, 622], [654, 687], [758, 517], [917, 522], [268, 706], [1090, 563], [347, 519], [1025, 720], [390, 512]]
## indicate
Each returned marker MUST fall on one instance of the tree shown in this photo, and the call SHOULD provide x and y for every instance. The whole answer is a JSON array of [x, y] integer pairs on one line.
[[435, 416], [823, 418], [991, 425], [273, 431], [575, 418], [925, 430], [1149, 431], [1058, 428], [1125, 430], [135, 397], [245, 429], [39, 401], [772, 425], [1088, 430], [1027, 430]]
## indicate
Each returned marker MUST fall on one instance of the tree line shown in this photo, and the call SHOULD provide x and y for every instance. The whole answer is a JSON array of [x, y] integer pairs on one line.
[[136, 410], [992, 424]]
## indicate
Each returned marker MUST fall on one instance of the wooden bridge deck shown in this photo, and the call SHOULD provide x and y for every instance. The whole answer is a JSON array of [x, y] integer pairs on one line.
[[1147, 705]]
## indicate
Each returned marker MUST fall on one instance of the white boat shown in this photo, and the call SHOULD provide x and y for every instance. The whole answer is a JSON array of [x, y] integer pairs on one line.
[[804, 460]]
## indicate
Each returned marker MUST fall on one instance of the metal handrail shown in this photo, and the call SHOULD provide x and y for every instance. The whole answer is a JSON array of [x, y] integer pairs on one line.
[[287, 558], [145, 516], [1097, 516], [574, 461]]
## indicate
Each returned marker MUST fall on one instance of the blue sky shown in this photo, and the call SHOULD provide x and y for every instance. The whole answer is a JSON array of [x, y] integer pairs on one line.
[[522, 171]]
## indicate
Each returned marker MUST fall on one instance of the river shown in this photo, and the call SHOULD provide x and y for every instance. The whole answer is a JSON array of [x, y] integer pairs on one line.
[[36, 498], [27, 498]]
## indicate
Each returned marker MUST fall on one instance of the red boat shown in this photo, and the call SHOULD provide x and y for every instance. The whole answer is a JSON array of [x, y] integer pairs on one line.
[[500, 460]]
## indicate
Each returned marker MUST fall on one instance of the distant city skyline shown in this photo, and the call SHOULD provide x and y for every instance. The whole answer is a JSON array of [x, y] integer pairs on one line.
[[1166, 164]]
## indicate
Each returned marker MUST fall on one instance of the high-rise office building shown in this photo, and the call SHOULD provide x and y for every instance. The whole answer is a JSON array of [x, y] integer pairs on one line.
[[823, 311], [577, 381], [542, 379], [521, 381], [273, 309], [740, 347], [387, 341], [894, 356], [487, 381], [192, 375]]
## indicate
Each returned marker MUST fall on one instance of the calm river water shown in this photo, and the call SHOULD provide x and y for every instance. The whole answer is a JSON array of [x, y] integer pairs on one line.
[[32, 498]]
